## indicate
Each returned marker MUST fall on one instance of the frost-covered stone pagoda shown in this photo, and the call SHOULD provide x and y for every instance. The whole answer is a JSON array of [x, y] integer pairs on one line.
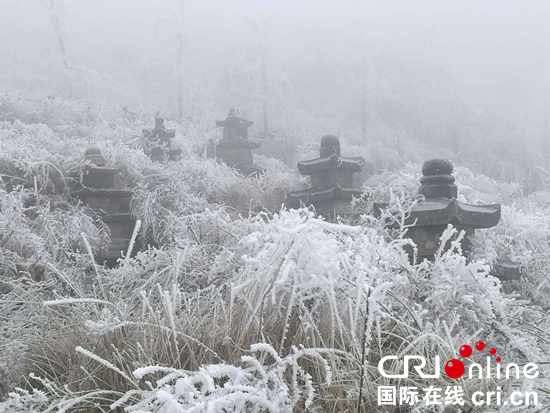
[[235, 149], [332, 187], [234, 126], [96, 191], [159, 141], [429, 219]]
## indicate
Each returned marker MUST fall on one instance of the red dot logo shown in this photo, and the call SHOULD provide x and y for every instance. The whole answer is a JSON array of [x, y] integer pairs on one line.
[[454, 369], [465, 351]]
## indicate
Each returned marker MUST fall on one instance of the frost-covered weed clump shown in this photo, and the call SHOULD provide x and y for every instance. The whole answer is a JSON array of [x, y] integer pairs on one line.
[[237, 304], [296, 281]]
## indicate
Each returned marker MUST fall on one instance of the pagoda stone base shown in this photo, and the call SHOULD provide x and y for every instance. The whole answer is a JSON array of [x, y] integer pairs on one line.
[[248, 170], [329, 202], [121, 228], [94, 177], [158, 154], [233, 153], [506, 270], [113, 208], [428, 240], [117, 248], [120, 225], [330, 209], [105, 201], [237, 154], [335, 208]]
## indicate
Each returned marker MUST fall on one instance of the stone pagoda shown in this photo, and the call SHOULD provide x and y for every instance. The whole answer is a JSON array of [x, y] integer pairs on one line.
[[96, 191], [235, 149], [159, 141], [332, 184], [506, 270], [429, 219]]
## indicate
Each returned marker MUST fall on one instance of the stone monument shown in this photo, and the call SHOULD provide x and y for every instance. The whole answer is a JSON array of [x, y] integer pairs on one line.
[[332, 185], [429, 219], [235, 149], [159, 141], [506, 270], [96, 191]]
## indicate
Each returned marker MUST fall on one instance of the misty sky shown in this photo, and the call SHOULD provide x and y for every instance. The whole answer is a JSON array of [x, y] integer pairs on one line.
[[500, 48]]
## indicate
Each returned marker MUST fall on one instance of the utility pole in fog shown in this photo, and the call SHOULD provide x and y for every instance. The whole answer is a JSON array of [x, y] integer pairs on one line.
[[58, 26], [546, 135], [257, 66], [364, 106], [180, 65], [364, 97], [263, 68], [364, 74]]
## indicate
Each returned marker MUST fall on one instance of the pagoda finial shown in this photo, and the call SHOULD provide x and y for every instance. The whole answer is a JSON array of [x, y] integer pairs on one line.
[[437, 180], [330, 145], [94, 156]]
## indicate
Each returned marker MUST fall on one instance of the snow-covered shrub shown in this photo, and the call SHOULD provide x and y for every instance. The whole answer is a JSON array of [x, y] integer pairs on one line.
[[234, 295], [23, 401], [257, 386]]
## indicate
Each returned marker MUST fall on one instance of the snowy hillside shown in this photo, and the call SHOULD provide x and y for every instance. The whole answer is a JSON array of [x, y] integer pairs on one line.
[[230, 301]]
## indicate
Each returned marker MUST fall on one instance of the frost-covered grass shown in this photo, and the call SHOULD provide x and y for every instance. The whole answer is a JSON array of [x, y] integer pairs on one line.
[[242, 306]]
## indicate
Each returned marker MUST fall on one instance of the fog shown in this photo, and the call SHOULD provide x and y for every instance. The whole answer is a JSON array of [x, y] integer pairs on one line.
[[273, 205], [465, 75]]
